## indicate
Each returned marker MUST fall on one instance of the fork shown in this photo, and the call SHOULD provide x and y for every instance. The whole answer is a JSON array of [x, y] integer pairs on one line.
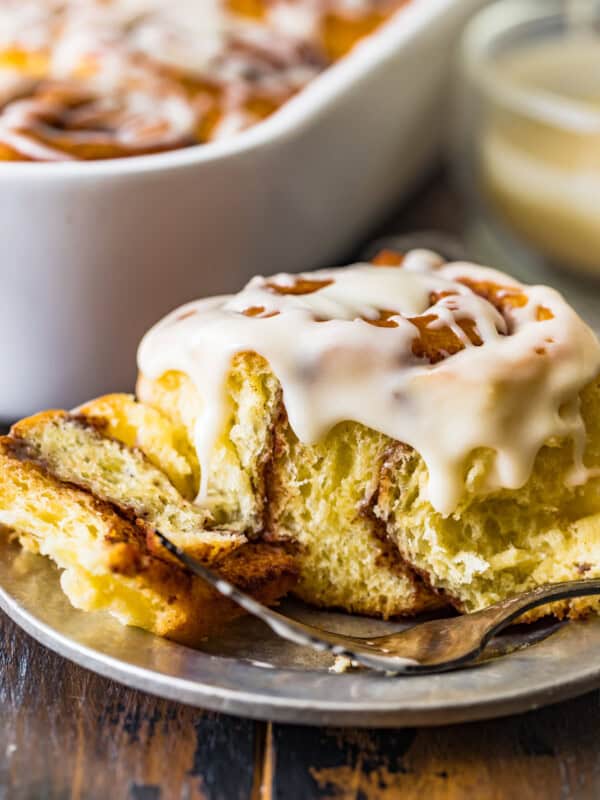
[[436, 646]]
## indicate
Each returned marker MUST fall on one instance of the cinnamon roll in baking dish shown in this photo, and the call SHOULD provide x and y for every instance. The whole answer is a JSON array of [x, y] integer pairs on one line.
[[381, 438], [94, 79]]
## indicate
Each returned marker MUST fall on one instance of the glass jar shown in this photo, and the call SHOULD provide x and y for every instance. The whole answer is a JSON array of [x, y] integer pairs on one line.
[[526, 142]]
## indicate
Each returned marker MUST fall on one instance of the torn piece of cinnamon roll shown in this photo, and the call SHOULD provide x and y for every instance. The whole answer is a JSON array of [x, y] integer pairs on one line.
[[84, 490]]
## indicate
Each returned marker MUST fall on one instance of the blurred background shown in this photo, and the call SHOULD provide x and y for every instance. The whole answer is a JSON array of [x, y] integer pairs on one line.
[[525, 152], [154, 151]]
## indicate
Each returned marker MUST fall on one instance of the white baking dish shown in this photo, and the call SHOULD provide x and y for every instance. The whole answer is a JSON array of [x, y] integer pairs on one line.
[[91, 254]]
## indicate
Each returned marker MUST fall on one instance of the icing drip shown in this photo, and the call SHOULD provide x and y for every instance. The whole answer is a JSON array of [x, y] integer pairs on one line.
[[147, 75], [445, 357]]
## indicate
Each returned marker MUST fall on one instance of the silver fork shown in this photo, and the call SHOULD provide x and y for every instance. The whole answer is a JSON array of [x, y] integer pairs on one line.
[[435, 646]]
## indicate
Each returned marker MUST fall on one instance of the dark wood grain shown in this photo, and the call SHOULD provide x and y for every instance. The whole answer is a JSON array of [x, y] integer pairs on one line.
[[552, 754], [66, 733]]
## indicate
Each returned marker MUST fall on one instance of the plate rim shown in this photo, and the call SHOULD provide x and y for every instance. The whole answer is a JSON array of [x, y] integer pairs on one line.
[[261, 706]]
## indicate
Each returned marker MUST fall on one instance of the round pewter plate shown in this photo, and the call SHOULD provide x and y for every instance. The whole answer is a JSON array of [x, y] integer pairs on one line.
[[248, 671]]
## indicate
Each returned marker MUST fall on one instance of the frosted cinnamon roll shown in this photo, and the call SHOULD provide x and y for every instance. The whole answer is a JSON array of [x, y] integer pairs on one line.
[[383, 438], [399, 419], [93, 79]]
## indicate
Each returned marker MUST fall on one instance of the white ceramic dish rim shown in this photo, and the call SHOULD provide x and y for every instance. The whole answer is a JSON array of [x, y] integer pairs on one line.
[[293, 115]]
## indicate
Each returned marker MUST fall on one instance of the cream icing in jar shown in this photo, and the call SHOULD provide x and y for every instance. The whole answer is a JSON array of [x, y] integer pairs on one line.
[[444, 357]]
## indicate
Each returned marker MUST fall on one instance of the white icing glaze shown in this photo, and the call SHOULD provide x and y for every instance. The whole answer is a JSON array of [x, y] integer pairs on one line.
[[511, 395], [300, 20]]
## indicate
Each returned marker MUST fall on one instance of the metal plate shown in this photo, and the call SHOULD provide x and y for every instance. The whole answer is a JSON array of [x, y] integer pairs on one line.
[[250, 672]]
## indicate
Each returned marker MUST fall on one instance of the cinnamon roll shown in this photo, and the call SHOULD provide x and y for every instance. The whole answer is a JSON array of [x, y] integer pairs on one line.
[[382, 438], [94, 79], [415, 427]]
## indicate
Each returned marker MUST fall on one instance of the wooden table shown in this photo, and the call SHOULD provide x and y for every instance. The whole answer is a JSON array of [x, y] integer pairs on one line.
[[66, 733]]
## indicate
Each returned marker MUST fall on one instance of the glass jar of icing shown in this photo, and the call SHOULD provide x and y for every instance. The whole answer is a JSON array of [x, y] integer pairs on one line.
[[527, 138]]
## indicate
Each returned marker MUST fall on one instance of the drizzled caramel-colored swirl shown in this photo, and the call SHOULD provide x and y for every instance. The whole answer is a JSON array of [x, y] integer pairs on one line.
[[93, 79], [444, 357]]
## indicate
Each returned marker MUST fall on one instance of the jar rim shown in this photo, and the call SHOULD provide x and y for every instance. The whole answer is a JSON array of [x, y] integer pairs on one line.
[[506, 25]]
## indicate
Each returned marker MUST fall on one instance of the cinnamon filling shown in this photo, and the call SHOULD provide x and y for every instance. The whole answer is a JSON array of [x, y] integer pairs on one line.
[[299, 286]]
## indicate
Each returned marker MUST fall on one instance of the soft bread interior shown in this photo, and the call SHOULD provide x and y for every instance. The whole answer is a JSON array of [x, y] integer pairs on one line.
[[236, 481], [319, 497], [316, 497], [73, 449], [500, 544], [142, 427]]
